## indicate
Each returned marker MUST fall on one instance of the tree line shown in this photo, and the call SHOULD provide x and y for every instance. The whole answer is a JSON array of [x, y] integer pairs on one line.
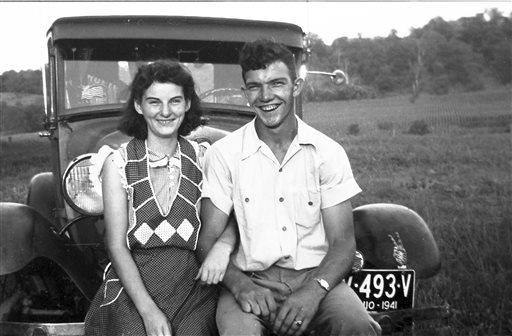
[[25, 81], [468, 54]]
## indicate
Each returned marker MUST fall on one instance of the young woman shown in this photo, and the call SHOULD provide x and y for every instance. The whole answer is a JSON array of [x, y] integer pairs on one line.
[[151, 192]]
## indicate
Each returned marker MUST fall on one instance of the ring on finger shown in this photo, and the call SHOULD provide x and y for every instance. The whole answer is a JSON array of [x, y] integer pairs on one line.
[[298, 323]]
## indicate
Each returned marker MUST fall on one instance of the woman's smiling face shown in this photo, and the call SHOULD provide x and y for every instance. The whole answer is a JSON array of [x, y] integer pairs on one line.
[[163, 106]]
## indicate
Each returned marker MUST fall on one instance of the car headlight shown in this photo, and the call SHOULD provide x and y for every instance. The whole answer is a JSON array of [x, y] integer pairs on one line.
[[81, 186]]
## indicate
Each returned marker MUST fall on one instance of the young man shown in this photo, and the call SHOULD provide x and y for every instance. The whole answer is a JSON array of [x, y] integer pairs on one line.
[[289, 188]]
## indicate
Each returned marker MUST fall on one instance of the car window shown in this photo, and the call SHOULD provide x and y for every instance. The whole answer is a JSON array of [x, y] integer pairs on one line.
[[89, 83]]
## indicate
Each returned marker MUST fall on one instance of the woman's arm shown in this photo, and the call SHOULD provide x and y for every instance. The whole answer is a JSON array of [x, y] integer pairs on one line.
[[116, 225]]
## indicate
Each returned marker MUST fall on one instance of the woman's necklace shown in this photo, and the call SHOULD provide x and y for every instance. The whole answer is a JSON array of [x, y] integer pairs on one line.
[[158, 159]]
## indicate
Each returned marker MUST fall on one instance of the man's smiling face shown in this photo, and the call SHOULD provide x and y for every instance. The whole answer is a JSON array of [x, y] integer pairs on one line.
[[270, 92]]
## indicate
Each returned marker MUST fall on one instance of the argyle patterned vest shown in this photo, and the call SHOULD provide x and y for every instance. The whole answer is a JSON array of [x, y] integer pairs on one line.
[[181, 226]]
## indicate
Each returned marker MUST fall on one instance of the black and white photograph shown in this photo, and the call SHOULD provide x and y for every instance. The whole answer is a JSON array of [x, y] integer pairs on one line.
[[197, 168]]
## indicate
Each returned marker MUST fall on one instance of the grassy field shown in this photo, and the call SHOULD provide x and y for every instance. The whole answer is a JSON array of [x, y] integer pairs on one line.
[[457, 177], [22, 156]]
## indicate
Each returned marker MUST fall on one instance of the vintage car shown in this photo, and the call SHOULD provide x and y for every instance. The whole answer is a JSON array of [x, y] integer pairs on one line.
[[52, 251]]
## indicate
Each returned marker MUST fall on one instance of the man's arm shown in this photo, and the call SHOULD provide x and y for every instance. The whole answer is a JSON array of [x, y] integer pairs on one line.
[[303, 303], [251, 297]]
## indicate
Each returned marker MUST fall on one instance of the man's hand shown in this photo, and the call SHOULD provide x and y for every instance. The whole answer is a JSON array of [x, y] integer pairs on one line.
[[298, 310], [256, 299]]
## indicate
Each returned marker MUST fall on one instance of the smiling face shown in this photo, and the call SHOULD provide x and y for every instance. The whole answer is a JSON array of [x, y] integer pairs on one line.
[[270, 91], [163, 106]]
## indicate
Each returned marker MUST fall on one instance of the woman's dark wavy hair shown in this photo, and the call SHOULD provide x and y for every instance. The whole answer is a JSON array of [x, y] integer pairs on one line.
[[162, 71], [262, 52]]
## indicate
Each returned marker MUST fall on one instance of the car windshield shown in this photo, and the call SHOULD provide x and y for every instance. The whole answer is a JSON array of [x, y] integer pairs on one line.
[[91, 83], [99, 73]]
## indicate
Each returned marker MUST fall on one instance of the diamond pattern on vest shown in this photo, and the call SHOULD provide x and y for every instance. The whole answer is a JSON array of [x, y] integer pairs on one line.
[[185, 229], [143, 233], [165, 231]]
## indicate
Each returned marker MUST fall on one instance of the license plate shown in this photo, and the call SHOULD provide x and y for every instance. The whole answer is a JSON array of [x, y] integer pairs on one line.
[[383, 289]]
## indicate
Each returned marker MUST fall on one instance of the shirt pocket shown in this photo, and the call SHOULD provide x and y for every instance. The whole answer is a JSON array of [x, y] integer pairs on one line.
[[307, 208]]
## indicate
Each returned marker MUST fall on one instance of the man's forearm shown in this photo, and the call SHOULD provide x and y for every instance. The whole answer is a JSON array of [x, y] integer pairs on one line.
[[339, 229], [336, 264]]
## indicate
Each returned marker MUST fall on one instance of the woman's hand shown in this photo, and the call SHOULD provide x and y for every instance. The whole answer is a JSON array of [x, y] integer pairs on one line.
[[214, 265], [156, 323]]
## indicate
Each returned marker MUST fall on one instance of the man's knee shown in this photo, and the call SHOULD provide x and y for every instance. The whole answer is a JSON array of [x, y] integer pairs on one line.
[[342, 313]]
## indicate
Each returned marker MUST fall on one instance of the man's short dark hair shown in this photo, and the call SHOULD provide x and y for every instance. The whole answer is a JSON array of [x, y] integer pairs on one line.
[[261, 53], [162, 71]]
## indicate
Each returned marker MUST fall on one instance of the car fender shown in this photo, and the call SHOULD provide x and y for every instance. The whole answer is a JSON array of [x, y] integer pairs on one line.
[[376, 224], [41, 195], [25, 235]]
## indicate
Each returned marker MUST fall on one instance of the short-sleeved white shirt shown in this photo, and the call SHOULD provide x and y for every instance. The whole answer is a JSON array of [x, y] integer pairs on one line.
[[277, 205]]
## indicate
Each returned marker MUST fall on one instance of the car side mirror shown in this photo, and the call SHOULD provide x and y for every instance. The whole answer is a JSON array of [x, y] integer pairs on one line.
[[338, 77]]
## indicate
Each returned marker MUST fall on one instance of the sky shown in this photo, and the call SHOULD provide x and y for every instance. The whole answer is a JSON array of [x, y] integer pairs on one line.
[[23, 25]]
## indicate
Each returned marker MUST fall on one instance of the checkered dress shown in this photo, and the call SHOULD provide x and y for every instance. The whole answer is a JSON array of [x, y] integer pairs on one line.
[[162, 247]]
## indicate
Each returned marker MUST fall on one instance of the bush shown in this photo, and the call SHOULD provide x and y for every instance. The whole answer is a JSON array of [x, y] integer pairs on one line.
[[349, 92], [353, 129], [419, 127], [325, 90]]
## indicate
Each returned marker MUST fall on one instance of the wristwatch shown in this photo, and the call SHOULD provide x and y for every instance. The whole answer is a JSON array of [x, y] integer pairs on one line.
[[323, 283]]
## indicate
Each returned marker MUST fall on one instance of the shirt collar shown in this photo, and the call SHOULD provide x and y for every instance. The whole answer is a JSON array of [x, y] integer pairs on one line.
[[251, 143], [305, 133]]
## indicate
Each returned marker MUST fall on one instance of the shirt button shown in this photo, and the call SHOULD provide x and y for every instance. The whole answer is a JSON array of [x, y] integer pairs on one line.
[[310, 203], [281, 199], [280, 169], [284, 228], [247, 199]]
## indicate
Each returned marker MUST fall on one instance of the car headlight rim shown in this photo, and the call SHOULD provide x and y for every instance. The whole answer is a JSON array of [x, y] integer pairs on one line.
[[73, 169]]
